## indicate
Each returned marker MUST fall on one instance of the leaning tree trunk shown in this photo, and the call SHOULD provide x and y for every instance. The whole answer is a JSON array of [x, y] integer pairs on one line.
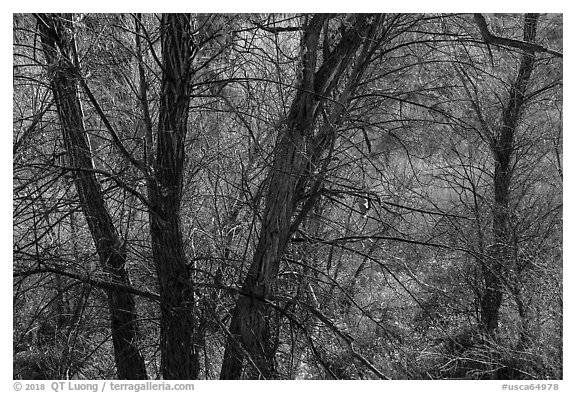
[[496, 271], [297, 148], [59, 48], [179, 358]]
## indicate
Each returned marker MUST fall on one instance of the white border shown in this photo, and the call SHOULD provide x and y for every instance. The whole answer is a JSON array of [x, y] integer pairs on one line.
[[293, 6]]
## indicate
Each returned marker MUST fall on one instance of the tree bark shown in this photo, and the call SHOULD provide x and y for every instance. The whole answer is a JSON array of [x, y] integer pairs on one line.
[[496, 271], [59, 48], [177, 327]]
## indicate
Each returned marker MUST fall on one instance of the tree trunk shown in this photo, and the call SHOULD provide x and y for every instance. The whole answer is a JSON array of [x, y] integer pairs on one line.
[[296, 149], [496, 271], [59, 48], [250, 318], [179, 357]]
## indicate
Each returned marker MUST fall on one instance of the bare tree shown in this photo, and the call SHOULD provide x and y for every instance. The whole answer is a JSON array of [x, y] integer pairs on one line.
[[296, 157], [58, 39], [179, 359]]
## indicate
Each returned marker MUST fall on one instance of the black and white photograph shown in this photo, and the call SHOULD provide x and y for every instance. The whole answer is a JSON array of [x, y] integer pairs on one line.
[[287, 196]]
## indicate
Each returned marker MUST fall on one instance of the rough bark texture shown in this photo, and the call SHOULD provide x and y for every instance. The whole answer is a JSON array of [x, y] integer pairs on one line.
[[251, 319], [496, 271], [59, 48], [179, 358]]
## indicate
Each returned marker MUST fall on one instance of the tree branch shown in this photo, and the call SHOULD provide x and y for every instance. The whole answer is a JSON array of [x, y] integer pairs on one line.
[[490, 38], [117, 142], [85, 278], [277, 30], [110, 175]]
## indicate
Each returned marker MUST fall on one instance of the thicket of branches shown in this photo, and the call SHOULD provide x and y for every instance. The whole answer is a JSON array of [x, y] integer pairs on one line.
[[271, 196]]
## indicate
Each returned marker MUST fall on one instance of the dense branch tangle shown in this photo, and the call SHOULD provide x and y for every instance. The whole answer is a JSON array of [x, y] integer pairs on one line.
[[293, 196]]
